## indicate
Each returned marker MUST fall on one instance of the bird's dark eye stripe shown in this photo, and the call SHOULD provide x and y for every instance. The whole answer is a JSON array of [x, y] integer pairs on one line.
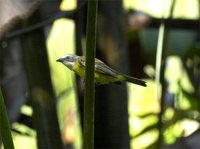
[[69, 59]]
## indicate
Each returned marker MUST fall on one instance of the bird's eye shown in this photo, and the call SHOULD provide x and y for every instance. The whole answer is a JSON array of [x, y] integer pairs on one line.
[[67, 58]]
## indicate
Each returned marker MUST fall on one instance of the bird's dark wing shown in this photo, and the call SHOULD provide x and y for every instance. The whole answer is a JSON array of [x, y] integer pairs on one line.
[[104, 69], [100, 67]]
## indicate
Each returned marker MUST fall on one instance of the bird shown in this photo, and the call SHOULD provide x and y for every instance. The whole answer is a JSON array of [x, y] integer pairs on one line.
[[103, 74]]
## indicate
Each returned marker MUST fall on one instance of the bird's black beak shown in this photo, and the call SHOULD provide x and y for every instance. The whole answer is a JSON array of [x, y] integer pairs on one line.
[[59, 60]]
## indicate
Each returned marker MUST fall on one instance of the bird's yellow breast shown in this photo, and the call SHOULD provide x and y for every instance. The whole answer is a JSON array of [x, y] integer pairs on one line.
[[80, 70]]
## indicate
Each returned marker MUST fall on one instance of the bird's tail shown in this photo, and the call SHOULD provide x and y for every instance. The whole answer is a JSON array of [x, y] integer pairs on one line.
[[135, 80]]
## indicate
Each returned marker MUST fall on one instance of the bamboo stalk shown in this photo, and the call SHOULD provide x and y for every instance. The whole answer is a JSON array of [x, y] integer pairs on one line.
[[89, 106]]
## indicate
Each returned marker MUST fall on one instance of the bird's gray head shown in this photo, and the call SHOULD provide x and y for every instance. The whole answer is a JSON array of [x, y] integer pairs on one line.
[[68, 60]]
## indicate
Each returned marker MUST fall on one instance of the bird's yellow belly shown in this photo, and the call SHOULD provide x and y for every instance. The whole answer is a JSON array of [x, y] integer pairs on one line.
[[105, 79], [98, 77]]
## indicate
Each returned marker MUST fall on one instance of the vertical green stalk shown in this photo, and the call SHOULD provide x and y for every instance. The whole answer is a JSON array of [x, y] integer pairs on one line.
[[161, 55], [159, 78], [89, 84], [5, 126]]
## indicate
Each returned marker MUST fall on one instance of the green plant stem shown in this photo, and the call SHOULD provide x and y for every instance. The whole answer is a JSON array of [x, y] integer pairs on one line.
[[89, 84], [161, 55], [5, 126]]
